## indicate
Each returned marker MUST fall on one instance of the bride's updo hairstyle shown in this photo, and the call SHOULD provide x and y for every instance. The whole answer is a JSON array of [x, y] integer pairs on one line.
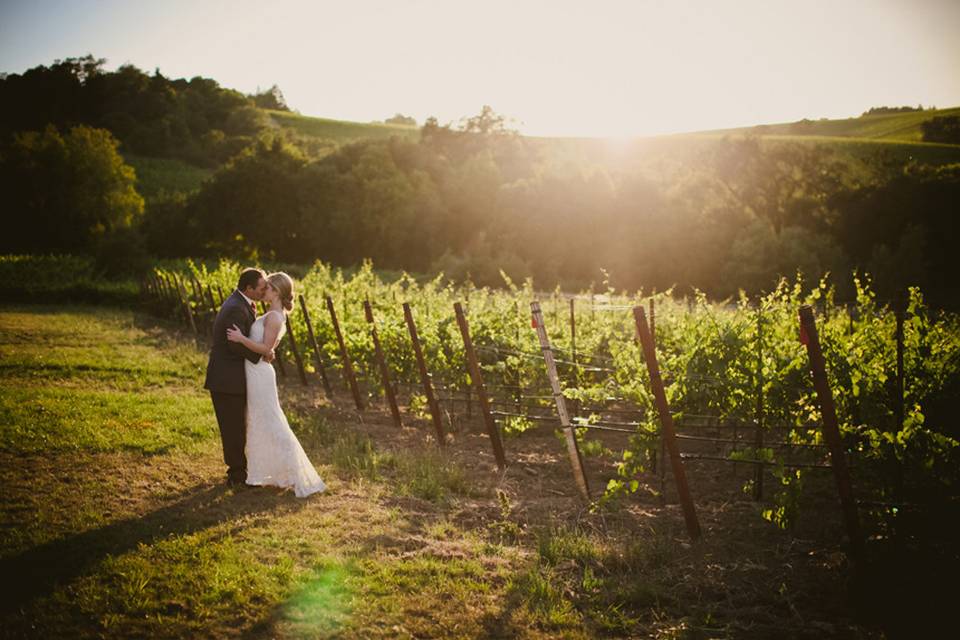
[[283, 284]]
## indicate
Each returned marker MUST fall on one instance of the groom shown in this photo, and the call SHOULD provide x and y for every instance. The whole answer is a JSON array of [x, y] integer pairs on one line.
[[226, 374]]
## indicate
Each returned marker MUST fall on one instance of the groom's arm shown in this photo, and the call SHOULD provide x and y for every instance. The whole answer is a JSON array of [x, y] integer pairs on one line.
[[236, 316]]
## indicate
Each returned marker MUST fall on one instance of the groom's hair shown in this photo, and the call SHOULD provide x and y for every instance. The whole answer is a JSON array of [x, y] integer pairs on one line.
[[250, 278]]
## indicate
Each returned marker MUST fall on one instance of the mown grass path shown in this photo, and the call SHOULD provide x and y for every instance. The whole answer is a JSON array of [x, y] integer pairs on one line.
[[115, 522]]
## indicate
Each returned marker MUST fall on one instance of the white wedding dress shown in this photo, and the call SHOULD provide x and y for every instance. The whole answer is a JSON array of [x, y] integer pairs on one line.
[[274, 455]]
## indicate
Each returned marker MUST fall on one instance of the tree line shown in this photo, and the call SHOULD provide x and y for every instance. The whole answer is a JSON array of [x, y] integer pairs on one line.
[[476, 199], [471, 199], [195, 120]]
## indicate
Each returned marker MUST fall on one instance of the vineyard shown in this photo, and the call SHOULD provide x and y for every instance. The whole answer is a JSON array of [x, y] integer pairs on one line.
[[735, 381]]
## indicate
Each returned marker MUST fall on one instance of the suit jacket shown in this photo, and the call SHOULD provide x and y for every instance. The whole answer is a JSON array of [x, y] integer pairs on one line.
[[225, 369]]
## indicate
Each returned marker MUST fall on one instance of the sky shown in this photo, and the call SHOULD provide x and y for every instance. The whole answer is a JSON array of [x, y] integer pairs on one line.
[[594, 68]]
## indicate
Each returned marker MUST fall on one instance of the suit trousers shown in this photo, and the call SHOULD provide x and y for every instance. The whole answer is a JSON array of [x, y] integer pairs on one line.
[[231, 410]]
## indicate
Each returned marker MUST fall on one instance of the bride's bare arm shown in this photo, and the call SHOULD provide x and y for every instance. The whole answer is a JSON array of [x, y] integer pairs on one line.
[[271, 333]]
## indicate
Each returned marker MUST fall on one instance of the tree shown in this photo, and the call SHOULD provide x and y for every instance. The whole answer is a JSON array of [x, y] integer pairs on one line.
[[66, 192], [272, 98], [42, 95], [880, 111], [399, 118], [487, 122], [251, 206], [784, 183], [942, 129], [149, 113]]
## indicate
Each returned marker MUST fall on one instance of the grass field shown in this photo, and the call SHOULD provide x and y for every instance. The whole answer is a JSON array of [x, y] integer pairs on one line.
[[114, 521], [898, 136], [896, 128], [896, 151], [157, 177], [340, 131], [899, 127]]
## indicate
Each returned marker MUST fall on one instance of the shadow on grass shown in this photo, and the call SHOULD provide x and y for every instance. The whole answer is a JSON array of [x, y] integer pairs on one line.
[[39, 571]]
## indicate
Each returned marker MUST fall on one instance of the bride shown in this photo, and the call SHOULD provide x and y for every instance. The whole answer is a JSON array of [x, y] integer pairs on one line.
[[274, 455]]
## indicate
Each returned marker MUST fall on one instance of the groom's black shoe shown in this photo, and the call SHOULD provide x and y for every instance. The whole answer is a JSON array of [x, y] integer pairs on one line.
[[238, 484]]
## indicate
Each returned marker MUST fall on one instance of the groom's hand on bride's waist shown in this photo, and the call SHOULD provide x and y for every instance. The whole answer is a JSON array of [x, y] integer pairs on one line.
[[270, 356]]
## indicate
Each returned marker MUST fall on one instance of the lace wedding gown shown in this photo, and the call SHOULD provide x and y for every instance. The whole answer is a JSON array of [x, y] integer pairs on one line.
[[274, 455]]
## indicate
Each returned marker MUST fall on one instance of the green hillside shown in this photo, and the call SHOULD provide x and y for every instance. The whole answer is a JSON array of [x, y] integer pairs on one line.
[[896, 135], [899, 151], [339, 131], [900, 127], [896, 127], [159, 176]]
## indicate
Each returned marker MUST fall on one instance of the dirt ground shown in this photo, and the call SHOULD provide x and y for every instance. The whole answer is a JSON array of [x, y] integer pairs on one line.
[[769, 581]]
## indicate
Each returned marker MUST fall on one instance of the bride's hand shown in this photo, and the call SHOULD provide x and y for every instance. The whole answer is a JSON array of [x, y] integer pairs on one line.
[[234, 334]]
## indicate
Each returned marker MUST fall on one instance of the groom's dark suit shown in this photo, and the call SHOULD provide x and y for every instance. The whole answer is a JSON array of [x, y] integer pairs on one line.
[[227, 383]]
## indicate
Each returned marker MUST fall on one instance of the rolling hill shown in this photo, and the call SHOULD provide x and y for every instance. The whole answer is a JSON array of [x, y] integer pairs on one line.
[[339, 131], [898, 136], [892, 127]]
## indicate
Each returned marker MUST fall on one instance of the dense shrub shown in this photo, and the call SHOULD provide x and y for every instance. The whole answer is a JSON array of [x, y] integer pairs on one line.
[[942, 129], [59, 279]]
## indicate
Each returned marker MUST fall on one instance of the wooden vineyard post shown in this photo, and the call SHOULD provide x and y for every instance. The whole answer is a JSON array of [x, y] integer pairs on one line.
[[213, 303], [316, 348], [172, 296], [154, 286], [203, 315], [831, 430], [194, 284], [653, 322], [900, 310], [197, 290], [573, 352], [185, 304], [166, 296], [161, 292], [222, 297], [758, 442], [175, 295], [152, 290], [662, 457], [198, 296], [347, 367], [476, 381], [164, 293], [382, 364], [424, 374], [666, 423], [296, 351], [157, 290], [518, 392], [576, 461], [213, 310]]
